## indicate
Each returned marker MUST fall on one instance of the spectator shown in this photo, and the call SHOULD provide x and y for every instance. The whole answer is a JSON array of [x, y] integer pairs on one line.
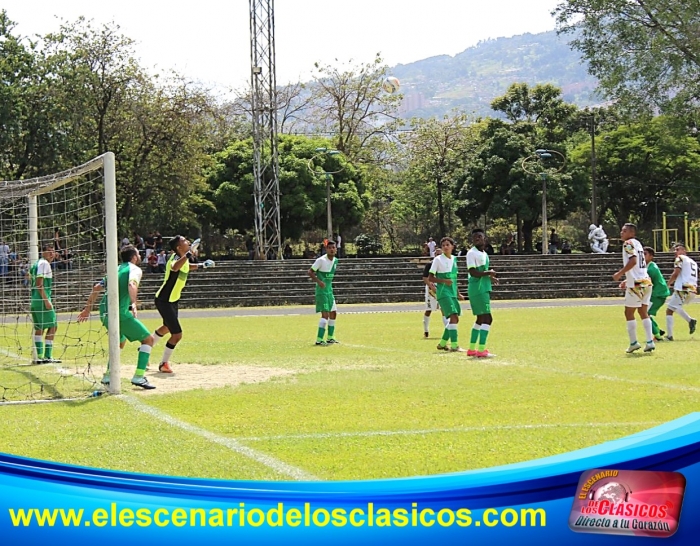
[[162, 260], [57, 240], [489, 248], [152, 261], [553, 242], [4, 258], [287, 252], [508, 246], [538, 247], [64, 260], [250, 247], [159, 241], [150, 244], [271, 254], [565, 247], [125, 242], [138, 242], [431, 246], [339, 244]]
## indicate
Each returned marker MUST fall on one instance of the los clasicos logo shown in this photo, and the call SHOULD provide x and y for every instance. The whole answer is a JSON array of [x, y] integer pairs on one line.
[[628, 502]]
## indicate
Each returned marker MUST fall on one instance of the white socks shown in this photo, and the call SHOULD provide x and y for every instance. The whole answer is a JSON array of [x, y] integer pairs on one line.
[[648, 329], [426, 323], [631, 330], [669, 325], [681, 312]]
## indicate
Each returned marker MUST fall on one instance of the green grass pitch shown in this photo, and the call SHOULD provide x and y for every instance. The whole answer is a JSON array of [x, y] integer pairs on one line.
[[384, 403]]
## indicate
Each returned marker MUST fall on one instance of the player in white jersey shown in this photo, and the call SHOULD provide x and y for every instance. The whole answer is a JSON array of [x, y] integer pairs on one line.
[[684, 281], [637, 285], [431, 303]]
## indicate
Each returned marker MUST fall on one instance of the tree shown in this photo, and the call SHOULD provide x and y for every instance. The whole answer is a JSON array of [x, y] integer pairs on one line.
[[434, 150], [645, 53], [303, 193], [350, 104], [159, 127], [493, 180], [645, 169]]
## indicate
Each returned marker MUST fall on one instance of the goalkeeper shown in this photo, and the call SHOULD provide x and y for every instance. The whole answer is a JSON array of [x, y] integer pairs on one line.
[[130, 328], [41, 306], [177, 269]]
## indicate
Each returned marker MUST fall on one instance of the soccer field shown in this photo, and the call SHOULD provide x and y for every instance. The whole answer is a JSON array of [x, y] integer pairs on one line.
[[253, 398]]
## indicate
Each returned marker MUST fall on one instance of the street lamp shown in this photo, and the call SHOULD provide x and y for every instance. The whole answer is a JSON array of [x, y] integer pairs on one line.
[[328, 176], [536, 164]]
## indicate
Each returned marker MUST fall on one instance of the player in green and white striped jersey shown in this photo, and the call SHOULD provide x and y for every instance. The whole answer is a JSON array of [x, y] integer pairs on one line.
[[41, 305], [322, 272]]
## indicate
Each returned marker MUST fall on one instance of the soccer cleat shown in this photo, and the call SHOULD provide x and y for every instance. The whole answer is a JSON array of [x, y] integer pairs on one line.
[[649, 347], [321, 344], [658, 338], [426, 334], [669, 338], [331, 341], [164, 367], [472, 352], [52, 361], [484, 354], [40, 361], [456, 350], [634, 347], [443, 348], [105, 379], [692, 325], [662, 333], [142, 382]]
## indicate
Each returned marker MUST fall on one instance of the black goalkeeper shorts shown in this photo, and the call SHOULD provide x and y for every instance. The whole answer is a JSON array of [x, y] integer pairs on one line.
[[168, 311]]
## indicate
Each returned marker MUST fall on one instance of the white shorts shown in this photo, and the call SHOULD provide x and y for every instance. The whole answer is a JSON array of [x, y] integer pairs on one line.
[[679, 299], [431, 303], [638, 296], [334, 309]]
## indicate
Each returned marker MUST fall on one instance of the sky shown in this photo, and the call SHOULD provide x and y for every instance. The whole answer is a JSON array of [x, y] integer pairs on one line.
[[209, 40]]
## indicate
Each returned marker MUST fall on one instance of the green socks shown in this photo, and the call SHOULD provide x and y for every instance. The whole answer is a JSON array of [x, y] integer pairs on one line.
[[331, 329], [321, 330], [142, 362], [474, 337], [483, 335], [39, 346]]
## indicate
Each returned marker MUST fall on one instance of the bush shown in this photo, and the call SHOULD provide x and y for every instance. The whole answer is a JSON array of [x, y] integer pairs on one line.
[[367, 245]]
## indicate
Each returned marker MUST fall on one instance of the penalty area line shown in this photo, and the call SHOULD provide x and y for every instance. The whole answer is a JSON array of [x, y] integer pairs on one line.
[[487, 428], [229, 443]]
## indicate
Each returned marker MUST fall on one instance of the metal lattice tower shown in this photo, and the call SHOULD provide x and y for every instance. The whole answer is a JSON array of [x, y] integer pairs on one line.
[[264, 107]]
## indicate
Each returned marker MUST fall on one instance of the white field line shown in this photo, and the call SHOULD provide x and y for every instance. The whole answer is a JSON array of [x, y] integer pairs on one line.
[[488, 428], [571, 373], [230, 443]]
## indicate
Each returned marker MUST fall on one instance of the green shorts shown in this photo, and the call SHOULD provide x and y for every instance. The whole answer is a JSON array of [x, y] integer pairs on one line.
[[450, 306], [480, 303], [43, 318], [130, 329], [325, 302]]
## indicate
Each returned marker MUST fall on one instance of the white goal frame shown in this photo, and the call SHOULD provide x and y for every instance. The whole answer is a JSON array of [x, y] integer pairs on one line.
[[46, 184]]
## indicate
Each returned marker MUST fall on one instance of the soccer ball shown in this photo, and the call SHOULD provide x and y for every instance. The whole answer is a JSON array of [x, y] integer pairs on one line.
[[208, 263], [391, 84]]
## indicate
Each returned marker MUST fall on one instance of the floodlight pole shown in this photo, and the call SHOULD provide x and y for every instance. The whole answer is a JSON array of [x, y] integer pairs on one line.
[[537, 158], [328, 175]]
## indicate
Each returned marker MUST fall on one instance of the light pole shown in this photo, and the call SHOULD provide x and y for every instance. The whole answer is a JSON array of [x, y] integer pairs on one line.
[[328, 176], [594, 214], [535, 164]]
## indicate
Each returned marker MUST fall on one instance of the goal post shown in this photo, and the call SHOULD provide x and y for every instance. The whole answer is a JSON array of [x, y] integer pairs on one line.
[[73, 212]]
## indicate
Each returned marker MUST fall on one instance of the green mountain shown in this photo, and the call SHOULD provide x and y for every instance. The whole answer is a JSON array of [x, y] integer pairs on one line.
[[472, 79]]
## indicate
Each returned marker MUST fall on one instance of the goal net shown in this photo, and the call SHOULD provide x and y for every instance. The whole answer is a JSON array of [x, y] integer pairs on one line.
[[57, 238]]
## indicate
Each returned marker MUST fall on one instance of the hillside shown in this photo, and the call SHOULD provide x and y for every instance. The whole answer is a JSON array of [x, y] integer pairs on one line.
[[472, 79]]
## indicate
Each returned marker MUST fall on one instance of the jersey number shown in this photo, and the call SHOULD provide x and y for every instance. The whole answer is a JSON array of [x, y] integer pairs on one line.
[[641, 262]]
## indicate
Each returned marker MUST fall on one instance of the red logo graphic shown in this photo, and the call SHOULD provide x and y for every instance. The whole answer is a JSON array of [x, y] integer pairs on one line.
[[628, 502]]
